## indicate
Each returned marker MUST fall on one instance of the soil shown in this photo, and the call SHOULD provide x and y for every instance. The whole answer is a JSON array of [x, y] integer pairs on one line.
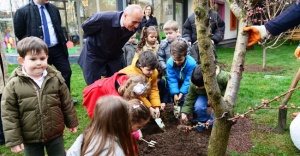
[[175, 142], [254, 68], [172, 141]]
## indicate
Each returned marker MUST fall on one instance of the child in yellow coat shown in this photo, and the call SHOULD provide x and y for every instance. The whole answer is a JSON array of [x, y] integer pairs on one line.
[[145, 63]]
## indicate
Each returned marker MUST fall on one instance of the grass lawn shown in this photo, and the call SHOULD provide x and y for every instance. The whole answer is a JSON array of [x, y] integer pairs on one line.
[[254, 87]]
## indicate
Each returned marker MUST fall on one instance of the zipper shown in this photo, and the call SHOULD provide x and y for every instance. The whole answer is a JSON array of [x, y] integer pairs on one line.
[[38, 93]]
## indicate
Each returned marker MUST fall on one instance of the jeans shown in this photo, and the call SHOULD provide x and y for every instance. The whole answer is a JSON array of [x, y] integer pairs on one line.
[[200, 110]]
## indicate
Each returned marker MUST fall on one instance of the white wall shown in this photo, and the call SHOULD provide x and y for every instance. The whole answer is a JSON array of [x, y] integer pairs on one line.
[[229, 34]]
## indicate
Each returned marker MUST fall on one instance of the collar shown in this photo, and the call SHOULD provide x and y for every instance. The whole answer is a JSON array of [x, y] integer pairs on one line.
[[44, 73], [121, 19]]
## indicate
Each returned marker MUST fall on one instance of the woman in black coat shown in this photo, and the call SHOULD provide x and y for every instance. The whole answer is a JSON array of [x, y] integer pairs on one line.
[[148, 19]]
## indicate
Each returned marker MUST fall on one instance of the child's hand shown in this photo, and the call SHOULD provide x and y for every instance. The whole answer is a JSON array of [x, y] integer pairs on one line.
[[162, 106], [157, 112], [184, 118], [176, 99], [152, 111], [17, 148], [73, 130], [180, 96]]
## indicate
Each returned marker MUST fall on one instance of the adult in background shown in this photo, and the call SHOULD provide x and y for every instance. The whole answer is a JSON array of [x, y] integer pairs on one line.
[[148, 19], [107, 33], [29, 21], [217, 26]]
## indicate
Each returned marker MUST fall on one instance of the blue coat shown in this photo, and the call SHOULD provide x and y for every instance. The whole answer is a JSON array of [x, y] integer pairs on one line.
[[180, 75], [286, 20]]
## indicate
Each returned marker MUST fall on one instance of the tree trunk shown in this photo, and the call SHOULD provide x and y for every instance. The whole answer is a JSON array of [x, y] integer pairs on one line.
[[221, 129]]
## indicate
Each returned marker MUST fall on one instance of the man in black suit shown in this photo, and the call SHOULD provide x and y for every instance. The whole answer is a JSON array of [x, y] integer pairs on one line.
[[41, 19], [107, 33]]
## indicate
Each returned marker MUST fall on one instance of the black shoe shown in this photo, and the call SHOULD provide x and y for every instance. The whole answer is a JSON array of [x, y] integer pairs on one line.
[[75, 101]]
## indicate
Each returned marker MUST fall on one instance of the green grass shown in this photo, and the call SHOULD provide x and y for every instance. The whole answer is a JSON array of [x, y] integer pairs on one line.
[[254, 87]]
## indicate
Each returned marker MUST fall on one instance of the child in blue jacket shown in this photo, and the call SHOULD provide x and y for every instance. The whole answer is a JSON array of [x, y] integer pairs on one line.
[[179, 69]]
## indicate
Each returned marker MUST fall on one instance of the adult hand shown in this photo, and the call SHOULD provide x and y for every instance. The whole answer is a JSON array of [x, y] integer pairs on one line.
[[297, 52], [73, 130], [17, 148], [256, 33]]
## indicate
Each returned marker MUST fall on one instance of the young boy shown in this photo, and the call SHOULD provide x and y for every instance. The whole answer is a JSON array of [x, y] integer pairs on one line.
[[36, 103], [129, 50], [145, 63], [179, 69], [171, 30], [196, 98]]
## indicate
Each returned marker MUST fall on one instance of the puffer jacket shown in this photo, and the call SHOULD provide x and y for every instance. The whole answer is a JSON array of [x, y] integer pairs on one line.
[[164, 51], [177, 75], [31, 114], [217, 26], [154, 100]]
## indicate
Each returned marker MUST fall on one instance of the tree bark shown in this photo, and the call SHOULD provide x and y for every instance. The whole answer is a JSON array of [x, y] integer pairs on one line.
[[221, 129]]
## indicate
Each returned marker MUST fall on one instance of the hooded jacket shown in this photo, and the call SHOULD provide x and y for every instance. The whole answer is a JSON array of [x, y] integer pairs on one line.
[[191, 97], [102, 87], [31, 114], [154, 100]]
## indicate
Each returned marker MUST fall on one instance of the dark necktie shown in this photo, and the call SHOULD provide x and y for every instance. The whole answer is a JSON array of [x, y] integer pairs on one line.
[[45, 25]]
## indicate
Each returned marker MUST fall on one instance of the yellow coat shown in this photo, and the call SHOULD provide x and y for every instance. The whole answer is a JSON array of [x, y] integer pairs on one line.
[[153, 99]]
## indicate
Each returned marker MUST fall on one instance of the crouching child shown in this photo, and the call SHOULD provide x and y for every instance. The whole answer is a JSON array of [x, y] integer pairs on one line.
[[196, 98]]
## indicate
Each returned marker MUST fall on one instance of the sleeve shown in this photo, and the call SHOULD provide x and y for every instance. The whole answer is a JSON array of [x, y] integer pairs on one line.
[[186, 83], [222, 79], [70, 117], [187, 30], [11, 117], [93, 24], [172, 81], [286, 20], [154, 92], [218, 33], [161, 55], [190, 100], [20, 24]]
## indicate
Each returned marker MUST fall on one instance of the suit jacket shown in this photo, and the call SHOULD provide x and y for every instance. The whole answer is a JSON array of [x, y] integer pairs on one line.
[[27, 22], [105, 39]]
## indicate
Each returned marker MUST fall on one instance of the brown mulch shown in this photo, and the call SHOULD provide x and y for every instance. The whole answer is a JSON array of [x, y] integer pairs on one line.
[[253, 68], [175, 142]]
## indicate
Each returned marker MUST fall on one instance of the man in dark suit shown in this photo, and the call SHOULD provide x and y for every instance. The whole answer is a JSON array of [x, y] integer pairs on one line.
[[107, 33], [41, 19]]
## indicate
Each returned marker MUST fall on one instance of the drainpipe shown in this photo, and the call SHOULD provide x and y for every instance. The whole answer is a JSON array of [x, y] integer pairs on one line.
[[79, 24]]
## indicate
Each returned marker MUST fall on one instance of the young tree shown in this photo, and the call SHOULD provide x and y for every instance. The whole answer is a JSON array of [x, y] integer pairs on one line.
[[222, 106]]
